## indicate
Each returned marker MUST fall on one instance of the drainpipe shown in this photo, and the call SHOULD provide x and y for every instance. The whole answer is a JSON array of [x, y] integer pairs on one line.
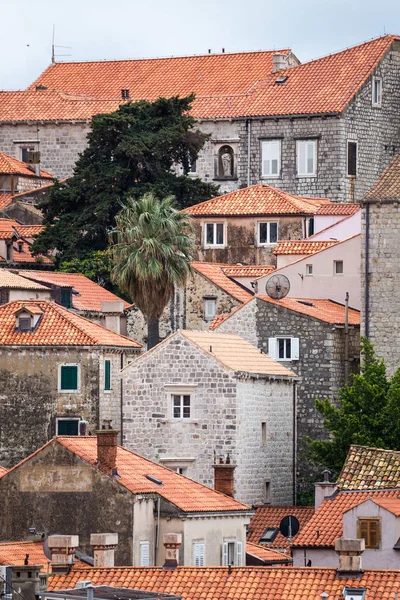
[[157, 532], [122, 402], [346, 339], [366, 266], [248, 151], [294, 442]]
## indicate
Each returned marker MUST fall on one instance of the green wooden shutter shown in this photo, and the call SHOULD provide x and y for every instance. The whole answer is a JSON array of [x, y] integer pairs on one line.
[[107, 374], [69, 377]]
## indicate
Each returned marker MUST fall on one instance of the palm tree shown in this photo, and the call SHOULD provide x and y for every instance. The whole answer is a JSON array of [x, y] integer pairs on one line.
[[152, 246]]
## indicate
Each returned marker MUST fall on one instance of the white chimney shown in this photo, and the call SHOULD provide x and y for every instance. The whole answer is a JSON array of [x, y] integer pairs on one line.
[[279, 62], [62, 548], [324, 489], [104, 545], [350, 554]]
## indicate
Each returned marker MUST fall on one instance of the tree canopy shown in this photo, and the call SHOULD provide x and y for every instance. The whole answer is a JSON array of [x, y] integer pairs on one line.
[[367, 413], [130, 152]]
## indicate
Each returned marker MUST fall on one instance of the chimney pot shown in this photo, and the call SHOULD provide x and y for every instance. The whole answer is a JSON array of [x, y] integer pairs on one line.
[[62, 548], [25, 581], [172, 543], [104, 545], [224, 480], [279, 62], [107, 444], [350, 554]]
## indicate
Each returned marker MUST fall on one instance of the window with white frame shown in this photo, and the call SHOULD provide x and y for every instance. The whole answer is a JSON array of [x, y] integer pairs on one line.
[[267, 232], [306, 154], [68, 378], [210, 308], [144, 560], [283, 348], [67, 426], [309, 270], [338, 267], [214, 235], [376, 91], [232, 553], [198, 554], [271, 158], [181, 406]]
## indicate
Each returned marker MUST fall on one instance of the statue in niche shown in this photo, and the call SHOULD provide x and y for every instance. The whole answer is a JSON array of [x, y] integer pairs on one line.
[[226, 161]]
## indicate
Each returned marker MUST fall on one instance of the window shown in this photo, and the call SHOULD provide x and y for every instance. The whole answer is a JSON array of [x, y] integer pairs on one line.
[[107, 375], [214, 234], [271, 158], [338, 267], [269, 535], [370, 530], [181, 470], [352, 159], [310, 224], [309, 270], [25, 324], [181, 406], [210, 308], [23, 152], [263, 434], [267, 233], [267, 492], [68, 378], [144, 560], [67, 426], [232, 553], [193, 166], [198, 554], [306, 158], [20, 246], [66, 298], [376, 91], [284, 348]]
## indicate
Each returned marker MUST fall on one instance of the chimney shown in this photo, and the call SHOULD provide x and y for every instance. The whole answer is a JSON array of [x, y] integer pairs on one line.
[[279, 62], [324, 489], [104, 545], [350, 555], [107, 443], [224, 480], [25, 581], [62, 548], [172, 543]]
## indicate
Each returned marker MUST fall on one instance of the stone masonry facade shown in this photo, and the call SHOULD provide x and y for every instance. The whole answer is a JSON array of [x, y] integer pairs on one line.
[[226, 417]]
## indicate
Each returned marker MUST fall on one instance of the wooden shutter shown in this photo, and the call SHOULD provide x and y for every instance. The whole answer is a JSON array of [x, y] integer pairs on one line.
[[107, 374], [370, 530], [239, 554], [272, 348], [225, 554], [295, 348], [144, 554], [69, 377]]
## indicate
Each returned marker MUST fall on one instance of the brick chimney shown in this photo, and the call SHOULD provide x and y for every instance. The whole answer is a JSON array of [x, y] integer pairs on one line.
[[107, 443], [172, 543], [224, 480], [104, 545], [62, 548], [25, 581], [324, 489], [350, 555]]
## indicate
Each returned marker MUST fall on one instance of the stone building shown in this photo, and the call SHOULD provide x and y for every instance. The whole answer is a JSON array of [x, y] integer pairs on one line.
[[200, 393], [306, 336], [15, 246], [59, 374], [93, 485], [326, 128], [380, 317], [18, 177]]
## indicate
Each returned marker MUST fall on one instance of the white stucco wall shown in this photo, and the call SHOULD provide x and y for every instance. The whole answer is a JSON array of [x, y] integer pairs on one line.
[[29, 295], [341, 229]]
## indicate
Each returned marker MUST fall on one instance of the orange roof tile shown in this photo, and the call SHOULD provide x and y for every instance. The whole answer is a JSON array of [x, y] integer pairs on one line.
[[266, 554], [186, 494], [338, 209], [256, 200], [324, 310], [91, 295], [390, 504], [236, 583], [11, 280], [293, 247], [2, 470], [248, 271], [327, 523], [11, 166], [24, 255], [57, 327], [271, 516], [370, 469], [14, 553], [7, 235], [215, 272], [5, 199], [388, 185]]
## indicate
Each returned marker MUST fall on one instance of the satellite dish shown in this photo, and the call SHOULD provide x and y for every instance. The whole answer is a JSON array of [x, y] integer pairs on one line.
[[277, 286], [46, 549], [289, 526]]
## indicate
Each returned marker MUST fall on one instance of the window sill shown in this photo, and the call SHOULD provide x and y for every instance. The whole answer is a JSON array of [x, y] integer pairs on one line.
[[267, 177], [214, 247], [69, 391], [306, 176], [189, 421], [270, 245], [107, 391]]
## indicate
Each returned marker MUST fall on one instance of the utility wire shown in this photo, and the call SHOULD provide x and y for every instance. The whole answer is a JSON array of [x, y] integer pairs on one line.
[[11, 587]]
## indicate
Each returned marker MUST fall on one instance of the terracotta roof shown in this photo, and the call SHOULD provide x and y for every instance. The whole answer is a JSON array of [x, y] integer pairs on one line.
[[237, 354], [7, 235], [25, 256], [3, 470], [57, 327], [388, 185], [338, 209], [327, 523], [390, 504], [215, 272], [5, 199], [14, 281], [14, 553], [270, 517], [91, 295], [256, 200], [186, 494], [248, 271], [293, 247], [237, 583], [11, 166], [324, 310], [29, 231], [266, 554], [370, 469]]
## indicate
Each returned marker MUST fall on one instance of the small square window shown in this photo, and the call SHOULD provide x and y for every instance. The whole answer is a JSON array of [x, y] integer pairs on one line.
[[67, 427], [370, 530], [68, 378], [267, 233], [309, 269], [181, 406], [214, 234], [376, 91], [25, 324], [269, 535], [210, 309], [66, 298], [284, 348], [338, 267]]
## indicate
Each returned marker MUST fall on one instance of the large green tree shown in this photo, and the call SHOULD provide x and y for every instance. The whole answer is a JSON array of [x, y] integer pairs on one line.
[[130, 152], [151, 247], [367, 413]]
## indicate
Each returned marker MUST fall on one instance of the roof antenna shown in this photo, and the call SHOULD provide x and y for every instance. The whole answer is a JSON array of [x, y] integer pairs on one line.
[[54, 46]]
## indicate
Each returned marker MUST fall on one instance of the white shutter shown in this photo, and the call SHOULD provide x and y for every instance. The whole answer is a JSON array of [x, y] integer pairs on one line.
[[144, 554], [239, 554], [225, 554], [271, 158], [295, 348], [272, 347], [311, 146], [198, 554], [301, 158]]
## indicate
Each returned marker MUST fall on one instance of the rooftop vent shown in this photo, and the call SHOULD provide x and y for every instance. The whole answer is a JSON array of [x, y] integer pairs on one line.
[[281, 80], [305, 303], [41, 87], [125, 95], [154, 479]]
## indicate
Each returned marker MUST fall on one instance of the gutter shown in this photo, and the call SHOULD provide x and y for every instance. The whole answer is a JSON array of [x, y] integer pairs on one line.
[[294, 442]]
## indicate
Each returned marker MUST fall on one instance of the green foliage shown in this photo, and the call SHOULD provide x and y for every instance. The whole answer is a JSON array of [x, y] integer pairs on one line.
[[130, 152], [368, 413], [96, 266]]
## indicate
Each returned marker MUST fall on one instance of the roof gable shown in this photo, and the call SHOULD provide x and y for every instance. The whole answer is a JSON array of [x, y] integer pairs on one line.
[[217, 273], [12, 166]]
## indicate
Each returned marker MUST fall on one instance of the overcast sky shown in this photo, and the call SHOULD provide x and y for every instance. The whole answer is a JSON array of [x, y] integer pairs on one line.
[[105, 29]]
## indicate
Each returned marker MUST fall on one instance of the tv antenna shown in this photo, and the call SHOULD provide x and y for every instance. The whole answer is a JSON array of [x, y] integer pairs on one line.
[[277, 286], [54, 46]]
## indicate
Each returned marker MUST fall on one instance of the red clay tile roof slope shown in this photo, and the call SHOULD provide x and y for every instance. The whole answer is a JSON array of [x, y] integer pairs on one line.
[[237, 583], [13, 553], [301, 246], [27, 231], [388, 185], [266, 554], [256, 200], [25, 256], [2, 470], [188, 495], [5, 199], [338, 209], [248, 271], [324, 310], [215, 273], [370, 469], [390, 504], [91, 295], [327, 523], [57, 327], [271, 516], [11, 166]]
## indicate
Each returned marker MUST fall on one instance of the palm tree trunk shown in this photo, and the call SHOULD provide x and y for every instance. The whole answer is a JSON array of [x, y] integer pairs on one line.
[[153, 332]]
